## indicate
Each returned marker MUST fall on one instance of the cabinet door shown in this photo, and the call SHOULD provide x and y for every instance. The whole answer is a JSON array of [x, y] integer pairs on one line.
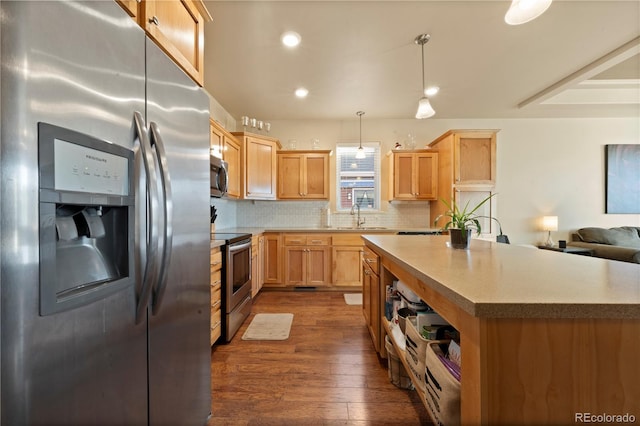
[[178, 28], [366, 293], [375, 324], [426, 176], [273, 260], [290, 176], [295, 266], [255, 287], [487, 210], [318, 267], [231, 154], [260, 172], [404, 176], [131, 6], [346, 266], [216, 139], [260, 262], [316, 176], [475, 158]]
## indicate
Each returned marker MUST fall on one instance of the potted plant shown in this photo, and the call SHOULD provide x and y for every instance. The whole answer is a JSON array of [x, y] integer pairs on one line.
[[462, 222]]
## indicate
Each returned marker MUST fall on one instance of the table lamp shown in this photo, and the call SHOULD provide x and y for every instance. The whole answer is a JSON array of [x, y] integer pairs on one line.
[[549, 223]]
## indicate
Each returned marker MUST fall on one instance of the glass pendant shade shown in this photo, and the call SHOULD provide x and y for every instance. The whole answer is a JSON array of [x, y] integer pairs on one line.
[[425, 110], [360, 153], [522, 11]]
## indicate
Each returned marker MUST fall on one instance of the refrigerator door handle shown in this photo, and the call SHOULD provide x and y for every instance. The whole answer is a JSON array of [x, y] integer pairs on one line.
[[165, 185], [151, 197]]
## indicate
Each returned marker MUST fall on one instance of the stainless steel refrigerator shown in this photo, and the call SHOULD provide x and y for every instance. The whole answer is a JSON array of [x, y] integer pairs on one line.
[[104, 223]]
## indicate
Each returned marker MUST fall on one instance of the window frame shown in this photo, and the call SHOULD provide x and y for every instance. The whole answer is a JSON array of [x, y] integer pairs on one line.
[[375, 148]]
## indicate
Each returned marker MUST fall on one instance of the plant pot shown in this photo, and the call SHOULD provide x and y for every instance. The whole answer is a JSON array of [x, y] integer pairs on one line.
[[458, 240]]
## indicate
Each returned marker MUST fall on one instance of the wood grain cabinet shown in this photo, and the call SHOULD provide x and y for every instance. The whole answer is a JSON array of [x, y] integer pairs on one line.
[[224, 145], [177, 27], [216, 293], [371, 299], [466, 170], [306, 260], [413, 175], [257, 262], [303, 175], [346, 259], [259, 166], [272, 260]]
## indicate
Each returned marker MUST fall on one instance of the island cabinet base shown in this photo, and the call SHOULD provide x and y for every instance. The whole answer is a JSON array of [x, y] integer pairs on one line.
[[554, 371]]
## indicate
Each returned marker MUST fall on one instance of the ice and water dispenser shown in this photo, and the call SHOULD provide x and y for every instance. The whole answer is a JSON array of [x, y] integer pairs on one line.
[[86, 218]]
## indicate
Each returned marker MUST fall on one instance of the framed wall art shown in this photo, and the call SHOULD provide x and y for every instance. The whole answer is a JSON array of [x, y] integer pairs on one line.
[[622, 185]]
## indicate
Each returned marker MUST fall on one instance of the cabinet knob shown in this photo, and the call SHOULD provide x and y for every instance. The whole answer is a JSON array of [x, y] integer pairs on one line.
[[366, 272], [154, 20]]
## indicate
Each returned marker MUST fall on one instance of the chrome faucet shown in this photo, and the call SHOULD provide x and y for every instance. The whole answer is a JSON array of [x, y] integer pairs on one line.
[[359, 221]]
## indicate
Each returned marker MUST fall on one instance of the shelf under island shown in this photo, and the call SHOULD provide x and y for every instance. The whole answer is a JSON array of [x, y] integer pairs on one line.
[[546, 338]]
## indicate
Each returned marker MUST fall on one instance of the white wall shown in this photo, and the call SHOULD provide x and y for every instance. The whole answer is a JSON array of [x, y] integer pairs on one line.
[[545, 166]]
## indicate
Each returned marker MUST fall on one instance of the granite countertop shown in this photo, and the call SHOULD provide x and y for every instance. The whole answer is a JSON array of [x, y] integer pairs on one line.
[[505, 281]]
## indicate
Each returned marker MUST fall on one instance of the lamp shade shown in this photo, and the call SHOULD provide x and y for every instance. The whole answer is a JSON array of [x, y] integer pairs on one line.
[[522, 11], [425, 110], [550, 223]]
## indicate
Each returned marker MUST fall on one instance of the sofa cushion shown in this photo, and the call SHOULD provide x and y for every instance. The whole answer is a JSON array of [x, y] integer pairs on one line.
[[623, 236]]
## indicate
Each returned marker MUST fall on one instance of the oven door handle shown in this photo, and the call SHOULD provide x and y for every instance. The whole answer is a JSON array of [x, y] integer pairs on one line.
[[165, 186]]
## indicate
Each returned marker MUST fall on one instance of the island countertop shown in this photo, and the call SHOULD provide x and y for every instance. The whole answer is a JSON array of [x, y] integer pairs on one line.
[[506, 281]]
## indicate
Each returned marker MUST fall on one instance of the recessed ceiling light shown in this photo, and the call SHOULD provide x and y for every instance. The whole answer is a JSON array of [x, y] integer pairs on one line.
[[291, 39], [302, 92], [432, 90]]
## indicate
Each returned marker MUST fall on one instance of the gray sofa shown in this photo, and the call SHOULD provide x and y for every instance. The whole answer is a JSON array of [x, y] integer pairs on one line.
[[621, 243]]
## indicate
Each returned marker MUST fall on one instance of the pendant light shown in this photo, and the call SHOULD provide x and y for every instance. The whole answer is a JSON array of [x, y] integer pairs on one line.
[[425, 110], [360, 154], [522, 11]]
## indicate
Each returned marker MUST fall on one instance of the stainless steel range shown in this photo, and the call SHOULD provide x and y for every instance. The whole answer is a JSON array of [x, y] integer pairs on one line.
[[236, 278]]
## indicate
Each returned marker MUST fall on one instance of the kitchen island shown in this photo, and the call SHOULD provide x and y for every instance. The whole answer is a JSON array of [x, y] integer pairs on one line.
[[546, 338]]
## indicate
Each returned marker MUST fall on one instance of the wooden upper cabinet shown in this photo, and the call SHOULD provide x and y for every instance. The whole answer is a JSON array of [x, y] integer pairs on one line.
[[259, 166], [177, 26], [216, 138], [303, 175], [466, 167], [413, 175], [475, 158], [231, 153], [131, 6], [224, 145]]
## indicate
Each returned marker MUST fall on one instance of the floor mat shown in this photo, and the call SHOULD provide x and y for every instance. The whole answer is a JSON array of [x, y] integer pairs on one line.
[[269, 327], [353, 298]]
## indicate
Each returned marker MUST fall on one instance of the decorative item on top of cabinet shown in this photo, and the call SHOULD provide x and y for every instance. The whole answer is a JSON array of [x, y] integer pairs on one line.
[[466, 169], [303, 175], [258, 164], [413, 174], [177, 26], [216, 294]]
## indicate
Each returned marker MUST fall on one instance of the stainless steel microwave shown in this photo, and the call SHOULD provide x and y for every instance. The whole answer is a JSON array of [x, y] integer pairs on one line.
[[219, 177]]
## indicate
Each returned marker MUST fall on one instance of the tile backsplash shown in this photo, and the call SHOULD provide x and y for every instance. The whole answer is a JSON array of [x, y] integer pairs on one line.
[[312, 214]]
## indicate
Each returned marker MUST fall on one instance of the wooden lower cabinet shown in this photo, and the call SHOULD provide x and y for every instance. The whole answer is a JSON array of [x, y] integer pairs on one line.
[[346, 270], [272, 258], [216, 293], [306, 261], [371, 302]]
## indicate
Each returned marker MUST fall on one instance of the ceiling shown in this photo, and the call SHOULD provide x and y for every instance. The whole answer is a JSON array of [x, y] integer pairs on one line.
[[579, 59]]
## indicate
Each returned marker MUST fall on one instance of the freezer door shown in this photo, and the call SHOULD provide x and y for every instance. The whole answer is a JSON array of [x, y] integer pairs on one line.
[[179, 350], [77, 65]]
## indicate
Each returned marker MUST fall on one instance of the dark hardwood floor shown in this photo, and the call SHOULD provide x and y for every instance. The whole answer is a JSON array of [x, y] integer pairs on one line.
[[326, 373]]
